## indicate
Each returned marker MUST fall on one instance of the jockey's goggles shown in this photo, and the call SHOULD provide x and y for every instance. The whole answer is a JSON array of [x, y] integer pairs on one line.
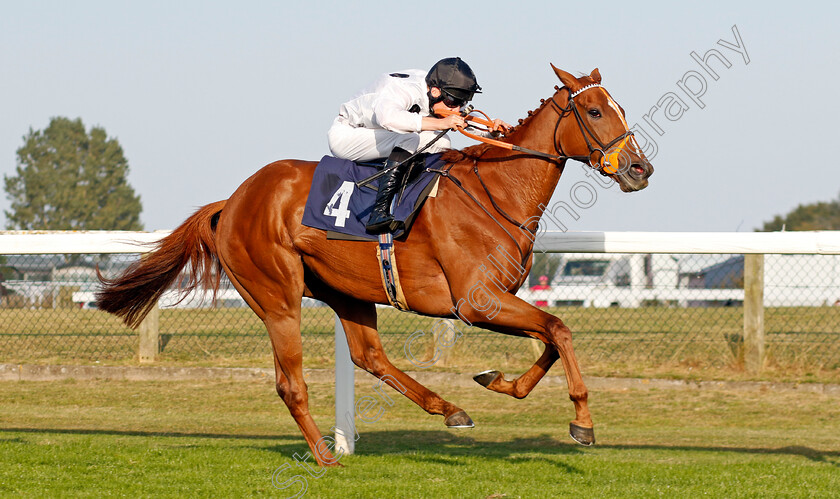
[[451, 101]]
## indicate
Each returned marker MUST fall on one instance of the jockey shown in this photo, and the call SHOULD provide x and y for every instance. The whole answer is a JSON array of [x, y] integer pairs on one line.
[[395, 117]]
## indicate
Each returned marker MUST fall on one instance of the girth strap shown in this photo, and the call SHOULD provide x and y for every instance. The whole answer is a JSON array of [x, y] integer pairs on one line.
[[386, 258]]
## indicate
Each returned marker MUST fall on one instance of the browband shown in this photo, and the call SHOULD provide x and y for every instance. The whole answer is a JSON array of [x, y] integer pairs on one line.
[[575, 94]]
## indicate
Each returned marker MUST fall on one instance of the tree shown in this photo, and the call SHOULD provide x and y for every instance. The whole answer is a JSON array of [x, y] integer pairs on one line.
[[68, 179], [815, 216]]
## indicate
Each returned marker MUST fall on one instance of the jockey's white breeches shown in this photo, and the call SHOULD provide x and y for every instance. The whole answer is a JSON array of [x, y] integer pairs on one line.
[[365, 144]]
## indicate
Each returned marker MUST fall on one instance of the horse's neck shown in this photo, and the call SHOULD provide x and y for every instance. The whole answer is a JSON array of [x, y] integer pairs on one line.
[[526, 183]]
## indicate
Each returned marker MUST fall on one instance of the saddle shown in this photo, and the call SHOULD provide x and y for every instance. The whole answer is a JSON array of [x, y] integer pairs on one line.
[[337, 205]]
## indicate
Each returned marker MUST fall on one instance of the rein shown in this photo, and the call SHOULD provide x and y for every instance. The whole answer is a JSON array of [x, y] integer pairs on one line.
[[445, 173], [499, 143], [604, 167]]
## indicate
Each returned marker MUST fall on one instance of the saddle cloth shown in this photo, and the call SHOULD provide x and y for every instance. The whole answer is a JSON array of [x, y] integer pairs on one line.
[[336, 205]]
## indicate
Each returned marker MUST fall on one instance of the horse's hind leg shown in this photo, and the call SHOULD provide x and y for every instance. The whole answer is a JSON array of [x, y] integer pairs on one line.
[[288, 361], [525, 383], [273, 288], [359, 321]]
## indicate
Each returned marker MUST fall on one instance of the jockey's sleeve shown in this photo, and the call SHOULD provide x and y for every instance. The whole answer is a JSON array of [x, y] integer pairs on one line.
[[391, 109], [482, 133]]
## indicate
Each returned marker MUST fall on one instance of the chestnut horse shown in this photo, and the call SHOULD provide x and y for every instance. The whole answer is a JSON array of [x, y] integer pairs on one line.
[[487, 199]]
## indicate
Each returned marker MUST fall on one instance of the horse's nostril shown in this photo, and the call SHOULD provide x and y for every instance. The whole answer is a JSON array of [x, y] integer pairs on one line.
[[638, 170]]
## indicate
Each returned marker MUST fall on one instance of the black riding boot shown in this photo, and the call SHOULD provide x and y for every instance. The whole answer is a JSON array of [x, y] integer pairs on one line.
[[381, 220]]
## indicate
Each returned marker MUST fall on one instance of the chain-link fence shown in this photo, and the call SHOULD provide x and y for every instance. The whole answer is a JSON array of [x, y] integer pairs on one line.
[[630, 314]]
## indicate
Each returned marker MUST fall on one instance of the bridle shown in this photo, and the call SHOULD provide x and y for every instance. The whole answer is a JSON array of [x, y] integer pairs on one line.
[[598, 157], [604, 162]]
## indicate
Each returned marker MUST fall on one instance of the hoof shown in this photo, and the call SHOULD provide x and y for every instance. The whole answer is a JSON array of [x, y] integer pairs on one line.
[[459, 420], [581, 435], [484, 379]]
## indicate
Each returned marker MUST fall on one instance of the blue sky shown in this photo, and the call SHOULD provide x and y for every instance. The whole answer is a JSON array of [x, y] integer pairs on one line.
[[202, 94]]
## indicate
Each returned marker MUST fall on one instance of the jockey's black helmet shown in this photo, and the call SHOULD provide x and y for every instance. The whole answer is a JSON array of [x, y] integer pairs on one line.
[[454, 76]]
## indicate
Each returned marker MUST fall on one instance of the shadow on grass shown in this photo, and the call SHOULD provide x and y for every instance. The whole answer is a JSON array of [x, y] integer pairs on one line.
[[133, 433], [827, 457], [445, 447], [448, 448]]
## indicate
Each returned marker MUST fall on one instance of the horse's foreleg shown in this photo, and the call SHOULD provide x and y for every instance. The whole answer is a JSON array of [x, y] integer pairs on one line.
[[359, 321], [514, 314]]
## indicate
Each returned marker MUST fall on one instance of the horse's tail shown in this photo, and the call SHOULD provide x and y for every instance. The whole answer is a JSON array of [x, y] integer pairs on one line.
[[133, 294]]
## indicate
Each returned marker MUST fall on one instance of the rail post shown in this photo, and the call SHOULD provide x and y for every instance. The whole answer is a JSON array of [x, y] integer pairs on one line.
[[345, 393], [149, 331], [444, 339], [754, 312]]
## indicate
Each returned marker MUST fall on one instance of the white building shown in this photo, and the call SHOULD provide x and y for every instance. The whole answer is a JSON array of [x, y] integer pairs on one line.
[[604, 280]]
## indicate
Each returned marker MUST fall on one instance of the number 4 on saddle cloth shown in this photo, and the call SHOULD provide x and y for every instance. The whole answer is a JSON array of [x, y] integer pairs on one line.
[[341, 208]]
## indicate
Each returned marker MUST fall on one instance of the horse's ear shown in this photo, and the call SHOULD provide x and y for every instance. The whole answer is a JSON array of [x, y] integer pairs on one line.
[[595, 75], [568, 80]]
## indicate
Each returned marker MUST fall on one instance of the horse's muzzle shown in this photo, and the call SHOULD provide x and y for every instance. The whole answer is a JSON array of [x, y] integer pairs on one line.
[[636, 177]]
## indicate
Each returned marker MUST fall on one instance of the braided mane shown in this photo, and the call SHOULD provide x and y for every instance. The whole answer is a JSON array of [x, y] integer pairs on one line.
[[531, 114]]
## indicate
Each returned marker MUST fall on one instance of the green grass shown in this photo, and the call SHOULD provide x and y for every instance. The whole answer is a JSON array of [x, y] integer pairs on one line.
[[221, 439]]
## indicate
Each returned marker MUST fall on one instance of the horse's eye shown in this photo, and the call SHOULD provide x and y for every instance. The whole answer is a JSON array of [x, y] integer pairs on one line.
[[594, 113]]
